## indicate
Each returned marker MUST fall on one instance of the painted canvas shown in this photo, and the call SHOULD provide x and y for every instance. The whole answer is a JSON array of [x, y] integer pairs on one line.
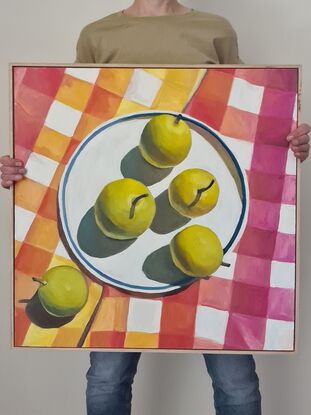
[[158, 211]]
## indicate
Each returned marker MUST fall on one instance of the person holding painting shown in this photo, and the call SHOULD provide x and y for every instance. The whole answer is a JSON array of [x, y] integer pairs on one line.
[[163, 32]]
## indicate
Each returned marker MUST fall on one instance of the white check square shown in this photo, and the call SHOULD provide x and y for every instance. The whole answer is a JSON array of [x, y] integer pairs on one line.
[[246, 96], [211, 324], [282, 275], [242, 149], [40, 169], [143, 87], [291, 164], [279, 335], [62, 118], [287, 222], [144, 315], [23, 221], [85, 74]]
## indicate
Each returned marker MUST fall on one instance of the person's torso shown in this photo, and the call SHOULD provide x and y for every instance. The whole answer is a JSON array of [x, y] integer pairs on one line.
[[190, 38]]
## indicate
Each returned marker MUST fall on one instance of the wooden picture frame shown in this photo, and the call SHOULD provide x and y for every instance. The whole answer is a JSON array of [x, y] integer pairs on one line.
[[111, 319]]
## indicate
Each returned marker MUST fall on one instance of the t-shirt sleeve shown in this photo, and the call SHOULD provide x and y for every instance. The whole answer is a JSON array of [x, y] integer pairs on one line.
[[85, 48], [226, 45]]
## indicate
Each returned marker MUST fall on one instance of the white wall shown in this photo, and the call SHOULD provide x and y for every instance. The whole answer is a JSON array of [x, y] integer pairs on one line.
[[52, 382]]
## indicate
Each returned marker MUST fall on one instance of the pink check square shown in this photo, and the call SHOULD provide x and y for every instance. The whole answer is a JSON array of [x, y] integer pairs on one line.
[[269, 159], [257, 242], [252, 270], [285, 248], [289, 190], [277, 103], [263, 214], [281, 304], [249, 299], [245, 332]]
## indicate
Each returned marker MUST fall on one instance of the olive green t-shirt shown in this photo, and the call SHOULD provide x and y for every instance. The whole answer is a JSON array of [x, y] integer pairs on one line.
[[195, 37]]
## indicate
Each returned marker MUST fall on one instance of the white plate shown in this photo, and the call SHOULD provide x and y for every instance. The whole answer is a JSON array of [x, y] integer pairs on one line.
[[110, 152]]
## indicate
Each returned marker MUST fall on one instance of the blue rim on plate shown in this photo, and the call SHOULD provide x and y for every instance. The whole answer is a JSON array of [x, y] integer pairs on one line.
[[62, 199]]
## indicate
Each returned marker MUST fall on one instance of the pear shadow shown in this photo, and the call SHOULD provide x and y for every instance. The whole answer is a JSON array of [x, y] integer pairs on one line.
[[71, 253], [40, 317], [166, 218], [124, 290], [134, 166], [159, 266], [223, 154], [94, 243]]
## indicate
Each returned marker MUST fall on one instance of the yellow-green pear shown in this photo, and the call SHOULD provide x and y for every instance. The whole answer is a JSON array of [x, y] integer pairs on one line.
[[196, 251], [165, 140], [124, 209], [63, 291], [193, 192]]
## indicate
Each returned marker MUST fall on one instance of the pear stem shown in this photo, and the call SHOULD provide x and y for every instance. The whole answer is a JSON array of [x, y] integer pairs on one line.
[[199, 193], [225, 264], [178, 118], [39, 281], [134, 203]]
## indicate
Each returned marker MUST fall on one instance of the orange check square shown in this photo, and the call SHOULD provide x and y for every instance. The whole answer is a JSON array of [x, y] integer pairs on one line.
[[216, 293], [48, 208], [103, 104], [141, 340], [70, 150], [171, 97], [185, 79], [215, 86], [21, 324], [178, 319], [86, 125], [68, 336], [210, 112], [112, 315], [24, 288], [29, 194], [115, 80], [188, 295], [173, 341], [74, 92], [110, 291], [106, 339], [43, 233], [57, 176], [32, 261], [239, 124], [51, 144]]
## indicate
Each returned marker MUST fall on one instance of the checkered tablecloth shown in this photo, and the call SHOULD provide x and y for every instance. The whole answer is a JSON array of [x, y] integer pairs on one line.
[[249, 306]]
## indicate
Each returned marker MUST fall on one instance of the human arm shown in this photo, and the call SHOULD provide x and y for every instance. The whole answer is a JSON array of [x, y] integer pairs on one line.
[[12, 170], [228, 53], [299, 141]]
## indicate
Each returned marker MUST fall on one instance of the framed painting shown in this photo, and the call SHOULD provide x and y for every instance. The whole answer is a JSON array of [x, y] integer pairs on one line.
[[159, 208]]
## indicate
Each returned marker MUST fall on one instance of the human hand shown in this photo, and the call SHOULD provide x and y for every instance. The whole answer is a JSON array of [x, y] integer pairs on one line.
[[12, 170], [299, 141]]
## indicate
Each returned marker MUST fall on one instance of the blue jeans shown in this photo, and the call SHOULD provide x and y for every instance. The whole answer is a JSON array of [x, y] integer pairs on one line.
[[111, 375]]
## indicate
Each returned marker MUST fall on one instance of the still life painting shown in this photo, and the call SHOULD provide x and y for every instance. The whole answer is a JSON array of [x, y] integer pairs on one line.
[[159, 208]]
